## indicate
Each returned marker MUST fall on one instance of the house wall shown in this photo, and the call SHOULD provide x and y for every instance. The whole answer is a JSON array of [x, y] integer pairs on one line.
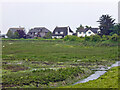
[[82, 34], [42, 34], [56, 36], [69, 33]]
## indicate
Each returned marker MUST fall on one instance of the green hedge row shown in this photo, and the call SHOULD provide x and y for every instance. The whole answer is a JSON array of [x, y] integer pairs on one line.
[[94, 38]]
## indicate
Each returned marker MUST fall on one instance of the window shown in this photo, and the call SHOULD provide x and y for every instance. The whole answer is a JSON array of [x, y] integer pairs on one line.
[[61, 32], [56, 32], [79, 32], [89, 32]]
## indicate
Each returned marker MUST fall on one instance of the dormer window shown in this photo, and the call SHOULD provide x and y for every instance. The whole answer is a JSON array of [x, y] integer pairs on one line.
[[61, 32]]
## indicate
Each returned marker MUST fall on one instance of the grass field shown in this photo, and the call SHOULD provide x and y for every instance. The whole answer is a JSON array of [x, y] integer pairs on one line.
[[52, 63], [108, 80]]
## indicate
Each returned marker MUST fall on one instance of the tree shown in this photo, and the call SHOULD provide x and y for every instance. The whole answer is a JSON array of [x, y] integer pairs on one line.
[[80, 27], [48, 35], [88, 26], [95, 38], [16, 35], [115, 29], [114, 37], [106, 22], [21, 33]]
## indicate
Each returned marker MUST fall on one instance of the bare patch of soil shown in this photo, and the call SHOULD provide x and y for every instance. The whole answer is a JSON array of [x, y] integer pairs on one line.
[[15, 68]]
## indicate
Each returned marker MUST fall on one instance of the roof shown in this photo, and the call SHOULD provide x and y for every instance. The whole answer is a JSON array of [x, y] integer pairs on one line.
[[15, 29], [39, 29], [62, 29], [94, 30]]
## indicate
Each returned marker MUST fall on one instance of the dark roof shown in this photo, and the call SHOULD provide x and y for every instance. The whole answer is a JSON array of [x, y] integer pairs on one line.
[[15, 29], [61, 29], [94, 30], [39, 29], [81, 30]]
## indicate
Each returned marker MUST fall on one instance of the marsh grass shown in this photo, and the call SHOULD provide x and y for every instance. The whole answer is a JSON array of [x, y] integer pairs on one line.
[[25, 57], [108, 80]]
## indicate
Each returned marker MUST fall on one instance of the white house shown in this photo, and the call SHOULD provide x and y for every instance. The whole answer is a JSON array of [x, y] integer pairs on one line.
[[61, 32], [87, 32]]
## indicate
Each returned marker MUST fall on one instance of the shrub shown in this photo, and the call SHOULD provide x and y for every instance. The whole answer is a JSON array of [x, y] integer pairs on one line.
[[71, 38], [48, 35], [87, 38], [36, 38], [95, 38], [114, 37], [55, 38], [105, 37]]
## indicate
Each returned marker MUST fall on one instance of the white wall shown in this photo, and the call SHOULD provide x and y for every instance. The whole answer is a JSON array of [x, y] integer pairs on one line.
[[69, 33], [82, 34], [56, 36], [91, 33]]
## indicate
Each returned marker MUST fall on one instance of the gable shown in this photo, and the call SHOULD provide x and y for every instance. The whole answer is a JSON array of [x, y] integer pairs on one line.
[[89, 32], [60, 29]]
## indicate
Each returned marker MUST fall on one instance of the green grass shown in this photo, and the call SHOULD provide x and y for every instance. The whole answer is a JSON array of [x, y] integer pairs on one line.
[[21, 57], [108, 80]]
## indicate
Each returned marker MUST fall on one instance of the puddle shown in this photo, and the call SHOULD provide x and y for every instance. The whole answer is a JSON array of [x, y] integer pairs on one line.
[[97, 74]]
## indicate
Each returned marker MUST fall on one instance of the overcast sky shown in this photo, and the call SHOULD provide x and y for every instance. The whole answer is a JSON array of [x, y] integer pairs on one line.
[[34, 13]]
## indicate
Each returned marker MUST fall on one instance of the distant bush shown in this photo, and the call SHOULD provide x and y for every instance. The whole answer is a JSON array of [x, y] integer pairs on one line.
[[22, 38], [71, 38], [55, 38], [114, 37], [105, 37], [87, 38], [95, 38], [48, 35]]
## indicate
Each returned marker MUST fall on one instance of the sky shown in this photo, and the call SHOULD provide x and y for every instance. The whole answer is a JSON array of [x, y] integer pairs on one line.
[[52, 13]]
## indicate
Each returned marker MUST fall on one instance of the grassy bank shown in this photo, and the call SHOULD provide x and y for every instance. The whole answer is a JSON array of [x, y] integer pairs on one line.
[[32, 61], [108, 80]]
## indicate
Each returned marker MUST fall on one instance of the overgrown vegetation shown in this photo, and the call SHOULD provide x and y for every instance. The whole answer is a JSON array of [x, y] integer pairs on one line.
[[37, 78], [108, 80], [93, 38], [52, 63]]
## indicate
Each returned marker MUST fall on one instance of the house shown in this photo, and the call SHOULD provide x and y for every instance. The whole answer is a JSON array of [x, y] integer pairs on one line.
[[3, 36], [87, 32], [20, 31], [61, 32], [37, 32]]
